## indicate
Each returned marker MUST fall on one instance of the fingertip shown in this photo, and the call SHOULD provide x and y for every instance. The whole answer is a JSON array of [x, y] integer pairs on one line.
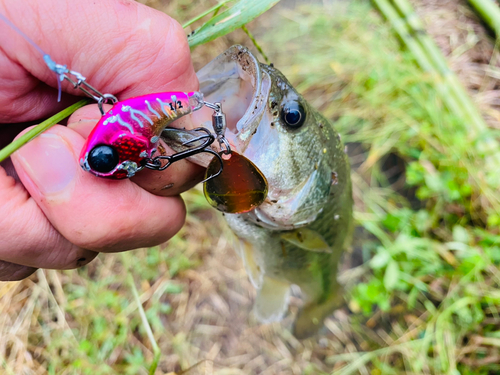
[[27, 239], [169, 222], [14, 272], [48, 165], [181, 207]]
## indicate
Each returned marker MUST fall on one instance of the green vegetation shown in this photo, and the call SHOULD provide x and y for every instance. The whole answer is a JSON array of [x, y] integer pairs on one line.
[[228, 20], [435, 253], [426, 299]]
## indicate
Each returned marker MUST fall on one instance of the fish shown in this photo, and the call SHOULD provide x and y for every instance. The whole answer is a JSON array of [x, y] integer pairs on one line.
[[298, 234]]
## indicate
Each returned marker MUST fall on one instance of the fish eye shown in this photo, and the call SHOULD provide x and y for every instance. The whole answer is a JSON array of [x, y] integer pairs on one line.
[[293, 114], [103, 158]]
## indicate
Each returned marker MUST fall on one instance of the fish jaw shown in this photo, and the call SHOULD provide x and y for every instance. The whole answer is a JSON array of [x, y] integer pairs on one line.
[[235, 79], [294, 161]]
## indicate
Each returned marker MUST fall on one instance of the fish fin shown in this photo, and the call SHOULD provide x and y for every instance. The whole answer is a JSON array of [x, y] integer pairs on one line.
[[254, 271], [310, 318], [272, 299], [307, 239]]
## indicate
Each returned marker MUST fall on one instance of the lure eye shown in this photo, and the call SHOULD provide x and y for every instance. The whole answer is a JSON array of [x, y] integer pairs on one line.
[[103, 158], [293, 114]]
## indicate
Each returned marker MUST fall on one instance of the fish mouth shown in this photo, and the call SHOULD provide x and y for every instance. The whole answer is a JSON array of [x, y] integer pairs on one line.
[[236, 80]]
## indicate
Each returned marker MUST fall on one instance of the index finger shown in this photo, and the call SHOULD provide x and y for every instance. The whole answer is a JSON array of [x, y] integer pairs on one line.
[[121, 47]]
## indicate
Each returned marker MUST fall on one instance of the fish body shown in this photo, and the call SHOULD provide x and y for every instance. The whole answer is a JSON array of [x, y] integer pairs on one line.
[[298, 234]]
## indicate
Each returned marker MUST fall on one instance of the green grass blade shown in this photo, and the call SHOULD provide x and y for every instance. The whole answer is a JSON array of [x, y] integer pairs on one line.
[[231, 19], [39, 129], [146, 325], [489, 12], [215, 8]]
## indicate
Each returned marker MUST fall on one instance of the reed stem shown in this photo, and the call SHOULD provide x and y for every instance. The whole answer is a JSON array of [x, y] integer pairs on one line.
[[467, 108], [489, 12], [40, 128], [147, 327]]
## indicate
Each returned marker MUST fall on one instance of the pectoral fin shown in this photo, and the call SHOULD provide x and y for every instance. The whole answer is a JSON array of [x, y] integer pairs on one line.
[[272, 300], [253, 269], [307, 239]]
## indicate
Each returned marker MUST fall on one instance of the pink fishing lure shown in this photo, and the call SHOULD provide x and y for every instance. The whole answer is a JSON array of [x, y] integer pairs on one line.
[[125, 139], [127, 136]]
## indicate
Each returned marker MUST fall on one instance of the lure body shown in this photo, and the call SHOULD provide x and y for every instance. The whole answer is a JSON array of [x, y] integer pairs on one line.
[[127, 136]]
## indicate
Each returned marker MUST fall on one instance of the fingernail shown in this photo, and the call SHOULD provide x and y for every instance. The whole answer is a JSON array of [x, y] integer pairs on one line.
[[49, 162]]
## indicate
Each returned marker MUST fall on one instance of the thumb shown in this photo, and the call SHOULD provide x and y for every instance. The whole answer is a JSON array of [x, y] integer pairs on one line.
[[48, 165], [90, 212]]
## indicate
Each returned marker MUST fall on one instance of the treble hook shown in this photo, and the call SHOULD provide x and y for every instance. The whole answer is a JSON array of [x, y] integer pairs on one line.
[[219, 126], [208, 138]]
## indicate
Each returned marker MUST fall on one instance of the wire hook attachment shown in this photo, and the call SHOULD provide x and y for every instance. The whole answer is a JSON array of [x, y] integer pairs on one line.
[[219, 124]]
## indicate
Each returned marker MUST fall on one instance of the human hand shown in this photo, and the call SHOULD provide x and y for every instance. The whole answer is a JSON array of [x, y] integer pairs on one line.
[[60, 217]]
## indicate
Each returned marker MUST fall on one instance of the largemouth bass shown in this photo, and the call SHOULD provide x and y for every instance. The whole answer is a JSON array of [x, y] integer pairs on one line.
[[298, 234]]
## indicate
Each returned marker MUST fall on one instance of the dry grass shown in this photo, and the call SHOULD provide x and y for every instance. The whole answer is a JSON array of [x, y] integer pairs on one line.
[[210, 318], [196, 293]]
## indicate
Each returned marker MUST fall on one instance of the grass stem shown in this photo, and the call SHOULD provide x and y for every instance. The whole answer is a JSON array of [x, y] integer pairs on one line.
[[428, 56], [255, 43], [147, 326], [405, 34], [37, 130], [489, 12], [438, 61]]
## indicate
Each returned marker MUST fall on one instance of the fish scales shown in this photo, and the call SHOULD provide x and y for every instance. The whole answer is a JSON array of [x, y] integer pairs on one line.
[[314, 272]]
